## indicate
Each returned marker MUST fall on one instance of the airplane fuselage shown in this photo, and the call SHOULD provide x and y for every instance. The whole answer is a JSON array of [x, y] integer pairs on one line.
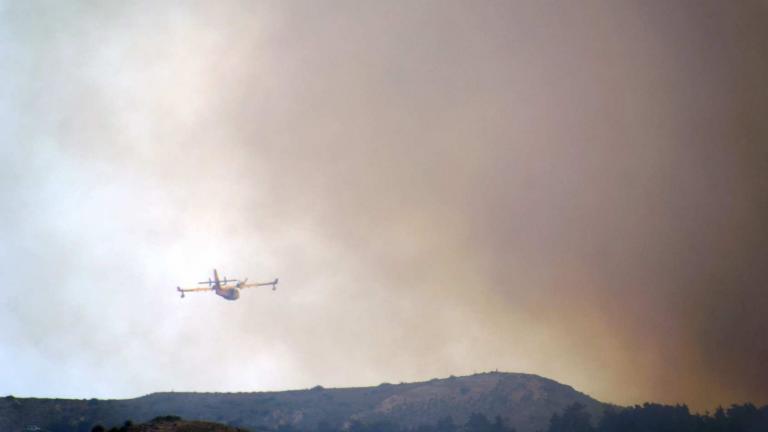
[[228, 293]]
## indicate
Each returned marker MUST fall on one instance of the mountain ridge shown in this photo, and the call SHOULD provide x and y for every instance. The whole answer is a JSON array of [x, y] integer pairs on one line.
[[525, 401]]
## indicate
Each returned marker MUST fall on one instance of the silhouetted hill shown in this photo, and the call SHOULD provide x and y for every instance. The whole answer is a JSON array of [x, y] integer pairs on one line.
[[525, 401]]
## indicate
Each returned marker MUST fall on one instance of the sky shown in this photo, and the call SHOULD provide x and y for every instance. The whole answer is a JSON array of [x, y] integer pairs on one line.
[[575, 189]]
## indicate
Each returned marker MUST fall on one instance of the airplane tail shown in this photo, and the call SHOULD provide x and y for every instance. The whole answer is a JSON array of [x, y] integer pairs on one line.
[[274, 284], [181, 291]]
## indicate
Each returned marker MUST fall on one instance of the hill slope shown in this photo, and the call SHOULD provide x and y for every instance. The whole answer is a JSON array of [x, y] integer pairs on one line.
[[525, 401]]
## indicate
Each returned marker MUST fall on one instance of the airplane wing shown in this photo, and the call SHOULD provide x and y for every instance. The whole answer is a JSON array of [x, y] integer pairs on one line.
[[186, 290], [273, 284], [193, 289]]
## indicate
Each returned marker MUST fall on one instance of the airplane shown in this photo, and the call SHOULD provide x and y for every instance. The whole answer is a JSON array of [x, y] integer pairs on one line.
[[227, 288]]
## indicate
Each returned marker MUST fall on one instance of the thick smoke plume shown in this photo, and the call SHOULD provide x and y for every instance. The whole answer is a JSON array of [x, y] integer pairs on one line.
[[577, 190]]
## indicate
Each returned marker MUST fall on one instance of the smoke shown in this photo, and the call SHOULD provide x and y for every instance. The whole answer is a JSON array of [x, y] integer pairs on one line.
[[571, 190]]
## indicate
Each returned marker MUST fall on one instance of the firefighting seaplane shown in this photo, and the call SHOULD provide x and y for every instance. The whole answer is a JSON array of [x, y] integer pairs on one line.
[[227, 288]]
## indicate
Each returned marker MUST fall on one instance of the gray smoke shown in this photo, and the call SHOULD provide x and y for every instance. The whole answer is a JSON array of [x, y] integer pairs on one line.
[[576, 190]]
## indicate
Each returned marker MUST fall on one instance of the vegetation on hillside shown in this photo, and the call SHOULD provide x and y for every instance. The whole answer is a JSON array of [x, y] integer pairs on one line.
[[651, 417], [640, 418]]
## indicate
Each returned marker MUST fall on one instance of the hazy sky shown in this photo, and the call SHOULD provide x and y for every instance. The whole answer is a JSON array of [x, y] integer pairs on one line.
[[576, 189]]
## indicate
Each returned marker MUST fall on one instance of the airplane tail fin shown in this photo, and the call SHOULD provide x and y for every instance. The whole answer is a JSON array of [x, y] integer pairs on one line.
[[181, 291], [274, 284]]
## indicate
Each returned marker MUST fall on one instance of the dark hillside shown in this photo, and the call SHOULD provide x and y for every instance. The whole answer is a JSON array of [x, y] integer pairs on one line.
[[526, 402], [181, 426]]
